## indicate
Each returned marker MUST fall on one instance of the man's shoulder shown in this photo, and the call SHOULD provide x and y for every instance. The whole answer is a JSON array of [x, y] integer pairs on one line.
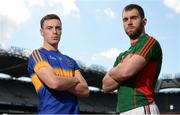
[[146, 40], [39, 50], [153, 40], [37, 54], [67, 57], [150, 38]]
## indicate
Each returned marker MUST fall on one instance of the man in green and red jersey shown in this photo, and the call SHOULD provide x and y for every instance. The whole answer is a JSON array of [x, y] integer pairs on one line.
[[136, 70]]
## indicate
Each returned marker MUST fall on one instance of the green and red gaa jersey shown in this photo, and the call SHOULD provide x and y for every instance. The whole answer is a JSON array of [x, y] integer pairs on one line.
[[139, 89]]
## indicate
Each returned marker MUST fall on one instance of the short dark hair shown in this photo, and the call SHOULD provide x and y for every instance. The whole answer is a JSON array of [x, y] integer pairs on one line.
[[137, 7], [48, 17]]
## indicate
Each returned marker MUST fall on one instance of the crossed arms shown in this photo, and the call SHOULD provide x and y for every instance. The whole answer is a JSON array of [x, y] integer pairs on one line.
[[123, 71], [75, 85]]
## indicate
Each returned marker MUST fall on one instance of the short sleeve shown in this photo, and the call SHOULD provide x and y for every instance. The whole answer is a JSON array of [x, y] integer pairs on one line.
[[118, 59], [73, 65], [76, 68], [37, 60]]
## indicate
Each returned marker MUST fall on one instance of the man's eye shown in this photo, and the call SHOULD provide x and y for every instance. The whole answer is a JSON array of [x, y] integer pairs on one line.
[[59, 28], [49, 28], [134, 17], [125, 19]]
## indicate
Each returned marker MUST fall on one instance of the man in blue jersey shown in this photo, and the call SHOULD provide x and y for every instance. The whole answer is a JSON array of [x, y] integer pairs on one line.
[[55, 76]]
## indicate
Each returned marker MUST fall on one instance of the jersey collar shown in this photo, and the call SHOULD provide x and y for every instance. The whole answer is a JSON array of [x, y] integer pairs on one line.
[[133, 42]]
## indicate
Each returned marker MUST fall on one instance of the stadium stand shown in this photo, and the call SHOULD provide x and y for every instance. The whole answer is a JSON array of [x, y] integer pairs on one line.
[[168, 103], [20, 97], [17, 97], [98, 102]]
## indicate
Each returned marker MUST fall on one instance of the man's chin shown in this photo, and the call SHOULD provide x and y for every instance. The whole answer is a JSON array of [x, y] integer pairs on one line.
[[131, 35], [54, 43], [134, 35]]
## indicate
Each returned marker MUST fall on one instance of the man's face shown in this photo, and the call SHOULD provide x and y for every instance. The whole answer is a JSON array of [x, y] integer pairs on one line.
[[51, 31], [133, 23]]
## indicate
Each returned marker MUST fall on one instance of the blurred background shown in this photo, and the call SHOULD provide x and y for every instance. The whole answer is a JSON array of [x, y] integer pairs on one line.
[[94, 30]]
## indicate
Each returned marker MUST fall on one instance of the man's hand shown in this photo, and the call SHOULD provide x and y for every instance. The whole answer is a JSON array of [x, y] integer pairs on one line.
[[109, 84], [81, 88]]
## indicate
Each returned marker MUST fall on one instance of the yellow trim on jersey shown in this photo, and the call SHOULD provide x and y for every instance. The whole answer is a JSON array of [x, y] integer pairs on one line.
[[36, 56], [59, 72], [66, 73], [39, 55], [36, 82], [77, 72], [40, 64]]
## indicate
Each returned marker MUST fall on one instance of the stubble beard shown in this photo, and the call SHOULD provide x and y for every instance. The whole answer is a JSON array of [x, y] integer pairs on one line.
[[136, 33]]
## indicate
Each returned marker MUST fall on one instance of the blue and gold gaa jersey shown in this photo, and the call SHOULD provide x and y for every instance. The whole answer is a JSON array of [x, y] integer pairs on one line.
[[50, 101]]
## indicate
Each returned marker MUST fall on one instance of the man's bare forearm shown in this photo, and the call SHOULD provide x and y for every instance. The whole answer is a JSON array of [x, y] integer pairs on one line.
[[109, 84], [79, 90]]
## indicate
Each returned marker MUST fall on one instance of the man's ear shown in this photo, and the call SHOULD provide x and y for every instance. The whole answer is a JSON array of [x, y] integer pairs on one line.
[[144, 21], [41, 31]]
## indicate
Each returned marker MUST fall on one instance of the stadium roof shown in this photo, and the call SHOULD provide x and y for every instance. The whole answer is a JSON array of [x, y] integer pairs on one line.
[[13, 62], [168, 85]]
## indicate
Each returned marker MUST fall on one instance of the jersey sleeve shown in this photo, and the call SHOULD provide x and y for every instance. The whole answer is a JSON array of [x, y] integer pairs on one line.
[[148, 49], [76, 68], [118, 59], [37, 60], [73, 65]]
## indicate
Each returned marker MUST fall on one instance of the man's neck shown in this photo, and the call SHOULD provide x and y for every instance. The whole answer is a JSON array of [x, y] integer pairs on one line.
[[133, 41], [50, 47]]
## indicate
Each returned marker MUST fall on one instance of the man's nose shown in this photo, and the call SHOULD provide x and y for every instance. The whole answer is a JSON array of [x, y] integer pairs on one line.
[[129, 22], [54, 30]]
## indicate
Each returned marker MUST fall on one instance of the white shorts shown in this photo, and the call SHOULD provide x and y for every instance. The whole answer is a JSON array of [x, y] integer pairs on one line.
[[151, 109]]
